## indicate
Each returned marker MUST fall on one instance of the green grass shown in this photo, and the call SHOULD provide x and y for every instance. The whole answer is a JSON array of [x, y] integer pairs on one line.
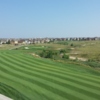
[[11, 92], [24, 77]]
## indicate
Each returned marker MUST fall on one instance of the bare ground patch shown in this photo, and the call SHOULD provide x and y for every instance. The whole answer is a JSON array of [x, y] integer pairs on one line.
[[78, 58], [35, 55]]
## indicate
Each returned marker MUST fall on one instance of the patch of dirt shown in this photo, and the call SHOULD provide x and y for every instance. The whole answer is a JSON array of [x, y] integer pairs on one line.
[[82, 59], [35, 55], [84, 45], [72, 48], [74, 53], [1, 46], [59, 48], [78, 58]]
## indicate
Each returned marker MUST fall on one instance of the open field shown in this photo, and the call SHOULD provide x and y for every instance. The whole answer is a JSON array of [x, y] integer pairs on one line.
[[89, 50], [24, 77], [6, 46], [9, 46]]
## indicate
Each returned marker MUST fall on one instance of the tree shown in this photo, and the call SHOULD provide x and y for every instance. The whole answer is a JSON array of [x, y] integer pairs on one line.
[[8, 42]]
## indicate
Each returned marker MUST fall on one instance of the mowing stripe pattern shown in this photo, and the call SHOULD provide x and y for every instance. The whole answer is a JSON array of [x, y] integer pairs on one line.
[[27, 78]]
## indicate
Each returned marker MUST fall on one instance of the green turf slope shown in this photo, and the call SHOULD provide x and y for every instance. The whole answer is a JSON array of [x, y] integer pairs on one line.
[[23, 77]]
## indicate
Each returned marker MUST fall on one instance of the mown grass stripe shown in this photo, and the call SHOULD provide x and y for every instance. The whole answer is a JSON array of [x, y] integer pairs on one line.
[[35, 87], [17, 85], [42, 84], [86, 92], [51, 63], [17, 62], [33, 60], [67, 74], [50, 86], [16, 94], [31, 93], [47, 61], [92, 86]]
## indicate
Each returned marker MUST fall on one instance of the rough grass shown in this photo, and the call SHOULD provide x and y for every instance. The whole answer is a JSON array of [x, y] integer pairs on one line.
[[42, 79], [88, 49], [84, 49], [6, 46]]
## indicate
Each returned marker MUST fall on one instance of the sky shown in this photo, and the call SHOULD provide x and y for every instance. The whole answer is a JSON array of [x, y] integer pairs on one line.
[[49, 18]]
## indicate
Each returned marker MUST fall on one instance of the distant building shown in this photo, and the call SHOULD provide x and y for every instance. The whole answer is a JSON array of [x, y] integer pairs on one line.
[[16, 42]]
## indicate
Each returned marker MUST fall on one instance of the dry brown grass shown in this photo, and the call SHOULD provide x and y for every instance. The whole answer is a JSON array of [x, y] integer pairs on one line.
[[90, 50], [6, 46]]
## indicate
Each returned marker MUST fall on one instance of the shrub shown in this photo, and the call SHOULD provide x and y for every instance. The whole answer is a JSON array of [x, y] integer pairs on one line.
[[65, 56], [71, 44], [47, 53], [62, 51], [93, 64]]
